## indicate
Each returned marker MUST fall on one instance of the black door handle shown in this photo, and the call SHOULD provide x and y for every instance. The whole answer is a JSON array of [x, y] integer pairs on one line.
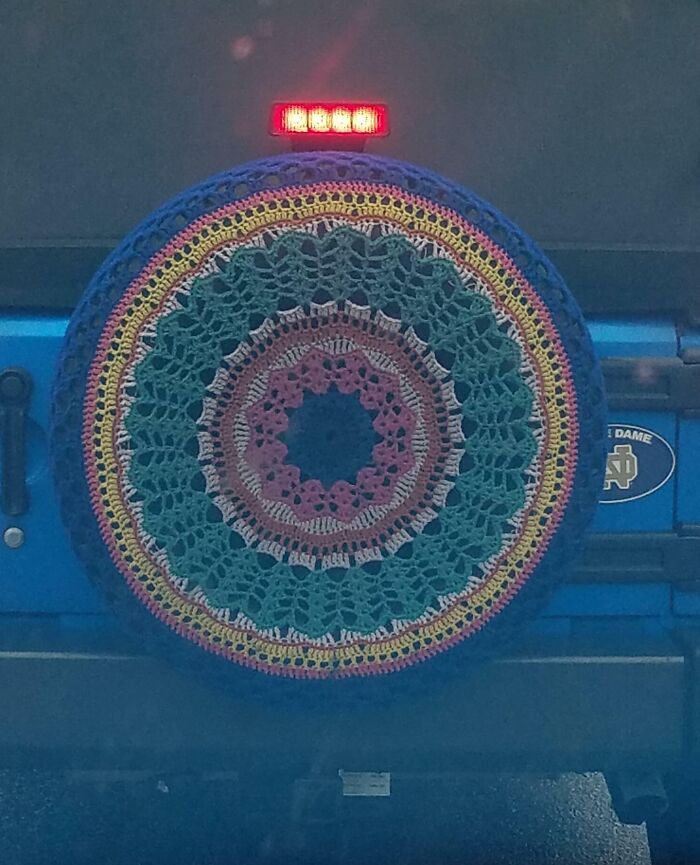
[[15, 390]]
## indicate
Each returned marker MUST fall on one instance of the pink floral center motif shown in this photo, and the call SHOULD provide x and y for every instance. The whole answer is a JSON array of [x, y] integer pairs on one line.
[[378, 391]]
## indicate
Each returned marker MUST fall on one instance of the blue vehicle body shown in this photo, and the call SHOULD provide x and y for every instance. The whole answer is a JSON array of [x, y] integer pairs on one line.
[[44, 577]]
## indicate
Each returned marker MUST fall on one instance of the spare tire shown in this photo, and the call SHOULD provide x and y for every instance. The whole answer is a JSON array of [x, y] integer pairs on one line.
[[327, 416]]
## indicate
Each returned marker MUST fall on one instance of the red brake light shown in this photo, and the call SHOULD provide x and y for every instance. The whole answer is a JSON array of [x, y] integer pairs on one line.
[[310, 118]]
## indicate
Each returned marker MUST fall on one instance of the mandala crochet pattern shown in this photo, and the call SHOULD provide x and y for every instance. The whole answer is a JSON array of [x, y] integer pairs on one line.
[[386, 503], [329, 430]]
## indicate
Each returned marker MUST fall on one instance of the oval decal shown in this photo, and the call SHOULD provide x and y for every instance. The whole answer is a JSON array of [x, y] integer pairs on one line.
[[639, 463]]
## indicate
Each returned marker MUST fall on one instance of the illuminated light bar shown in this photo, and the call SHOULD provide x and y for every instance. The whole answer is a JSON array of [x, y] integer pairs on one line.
[[296, 119], [312, 118]]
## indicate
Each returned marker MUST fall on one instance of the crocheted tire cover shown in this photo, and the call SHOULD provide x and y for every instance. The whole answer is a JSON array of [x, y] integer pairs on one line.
[[326, 416]]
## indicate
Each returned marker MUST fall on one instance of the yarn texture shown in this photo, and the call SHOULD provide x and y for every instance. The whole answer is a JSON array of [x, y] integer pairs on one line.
[[335, 416]]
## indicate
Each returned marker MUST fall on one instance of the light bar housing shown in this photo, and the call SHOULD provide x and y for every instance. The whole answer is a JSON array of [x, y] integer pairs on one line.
[[357, 120]]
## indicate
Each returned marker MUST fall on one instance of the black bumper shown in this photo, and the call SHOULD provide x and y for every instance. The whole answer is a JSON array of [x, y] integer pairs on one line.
[[549, 707]]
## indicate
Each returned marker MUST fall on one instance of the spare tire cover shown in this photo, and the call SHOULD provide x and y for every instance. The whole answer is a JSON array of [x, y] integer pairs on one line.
[[327, 416]]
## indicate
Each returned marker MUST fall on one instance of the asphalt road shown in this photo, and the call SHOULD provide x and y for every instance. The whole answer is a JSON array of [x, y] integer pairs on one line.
[[481, 819]]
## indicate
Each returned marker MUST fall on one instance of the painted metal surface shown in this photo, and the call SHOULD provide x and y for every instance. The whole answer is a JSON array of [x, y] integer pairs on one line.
[[689, 449], [687, 603], [42, 575], [653, 512]]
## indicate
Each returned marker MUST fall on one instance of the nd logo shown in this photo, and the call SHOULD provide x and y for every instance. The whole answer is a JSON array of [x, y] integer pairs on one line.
[[621, 468]]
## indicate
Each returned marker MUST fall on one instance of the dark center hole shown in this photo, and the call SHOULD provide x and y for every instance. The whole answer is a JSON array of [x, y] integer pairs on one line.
[[330, 437]]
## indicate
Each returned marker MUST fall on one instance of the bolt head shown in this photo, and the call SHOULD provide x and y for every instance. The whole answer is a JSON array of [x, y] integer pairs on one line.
[[13, 537]]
